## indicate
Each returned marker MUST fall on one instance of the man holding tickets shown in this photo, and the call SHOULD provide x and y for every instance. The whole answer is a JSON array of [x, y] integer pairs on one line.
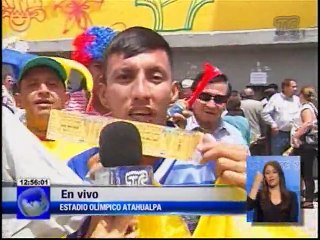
[[215, 153], [138, 85]]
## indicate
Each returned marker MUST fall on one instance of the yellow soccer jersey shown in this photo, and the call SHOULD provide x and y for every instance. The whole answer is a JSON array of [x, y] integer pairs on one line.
[[64, 150]]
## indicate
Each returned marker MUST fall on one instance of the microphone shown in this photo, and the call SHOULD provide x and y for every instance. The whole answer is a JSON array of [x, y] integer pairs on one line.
[[120, 154]]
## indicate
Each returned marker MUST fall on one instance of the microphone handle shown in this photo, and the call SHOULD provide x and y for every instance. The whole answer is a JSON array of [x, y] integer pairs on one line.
[[125, 176]]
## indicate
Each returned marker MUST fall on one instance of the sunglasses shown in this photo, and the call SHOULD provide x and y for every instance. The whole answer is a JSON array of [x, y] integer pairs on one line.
[[218, 99]]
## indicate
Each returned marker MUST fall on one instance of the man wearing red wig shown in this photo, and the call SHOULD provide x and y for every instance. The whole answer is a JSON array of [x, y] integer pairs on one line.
[[89, 48]]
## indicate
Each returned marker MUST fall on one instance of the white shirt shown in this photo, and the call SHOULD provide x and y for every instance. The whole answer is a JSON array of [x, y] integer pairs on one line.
[[225, 132], [280, 111], [7, 99], [264, 101], [24, 156]]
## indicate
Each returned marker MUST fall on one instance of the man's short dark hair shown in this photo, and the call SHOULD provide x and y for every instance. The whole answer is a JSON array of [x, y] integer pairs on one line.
[[220, 78], [233, 103], [234, 93], [274, 86], [134, 41], [286, 82]]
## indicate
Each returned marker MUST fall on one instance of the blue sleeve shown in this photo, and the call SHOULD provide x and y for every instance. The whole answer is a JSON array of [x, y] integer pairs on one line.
[[185, 173], [79, 163], [238, 127]]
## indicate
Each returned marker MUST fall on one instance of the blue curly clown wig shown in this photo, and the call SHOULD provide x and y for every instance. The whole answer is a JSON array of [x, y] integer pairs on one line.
[[91, 44]]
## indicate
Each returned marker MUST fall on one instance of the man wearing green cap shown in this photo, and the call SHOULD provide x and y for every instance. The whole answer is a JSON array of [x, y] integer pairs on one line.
[[41, 87]]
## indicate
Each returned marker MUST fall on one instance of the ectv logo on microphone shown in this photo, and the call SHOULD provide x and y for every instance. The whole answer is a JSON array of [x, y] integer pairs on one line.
[[135, 175], [136, 178]]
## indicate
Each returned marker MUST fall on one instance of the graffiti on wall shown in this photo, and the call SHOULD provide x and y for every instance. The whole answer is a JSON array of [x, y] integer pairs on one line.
[[158, 8], [20, 14], [77, 13], [61, 19]]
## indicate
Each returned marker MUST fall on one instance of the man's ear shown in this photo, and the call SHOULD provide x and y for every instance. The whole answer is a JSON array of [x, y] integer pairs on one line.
[[66, 98], [174, 92], [103, 96]]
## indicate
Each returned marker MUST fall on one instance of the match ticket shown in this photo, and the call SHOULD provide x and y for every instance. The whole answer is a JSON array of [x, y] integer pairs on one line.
[[157, 141]]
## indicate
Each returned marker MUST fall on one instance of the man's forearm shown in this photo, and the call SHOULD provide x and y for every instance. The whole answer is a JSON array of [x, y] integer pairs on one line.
[[266, 114], [268, 119]]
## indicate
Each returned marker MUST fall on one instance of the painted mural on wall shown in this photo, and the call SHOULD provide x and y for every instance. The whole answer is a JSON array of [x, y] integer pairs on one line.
[[158, 8], [60, 19], [20, 14]]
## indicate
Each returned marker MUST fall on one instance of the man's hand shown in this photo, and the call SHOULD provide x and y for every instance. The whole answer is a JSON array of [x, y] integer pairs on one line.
[[94, 164], [274, 131], [180, 119], [112, 227], [230, 160]]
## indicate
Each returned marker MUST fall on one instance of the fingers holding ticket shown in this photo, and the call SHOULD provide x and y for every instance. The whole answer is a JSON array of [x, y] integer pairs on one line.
[[230, 160]]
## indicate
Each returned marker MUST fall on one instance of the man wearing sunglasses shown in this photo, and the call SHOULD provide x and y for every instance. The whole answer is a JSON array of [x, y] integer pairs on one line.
[[222, 142], [208, 109]]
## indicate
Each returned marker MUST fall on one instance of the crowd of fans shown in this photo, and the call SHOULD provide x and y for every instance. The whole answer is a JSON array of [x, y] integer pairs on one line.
[[277, 124], [132, 79]]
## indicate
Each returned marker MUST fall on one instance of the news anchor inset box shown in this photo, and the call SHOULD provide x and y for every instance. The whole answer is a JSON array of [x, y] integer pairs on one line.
[[33, 198], [264, 174]]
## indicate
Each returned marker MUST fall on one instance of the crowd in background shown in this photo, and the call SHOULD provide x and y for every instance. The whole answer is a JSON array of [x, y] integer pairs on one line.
[[236, 122], [269, 125]]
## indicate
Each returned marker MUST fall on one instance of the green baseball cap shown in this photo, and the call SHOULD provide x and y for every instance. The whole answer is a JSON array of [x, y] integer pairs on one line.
[[44, 62]]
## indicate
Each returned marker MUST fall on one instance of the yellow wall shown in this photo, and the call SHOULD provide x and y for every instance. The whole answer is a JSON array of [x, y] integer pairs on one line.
[[59, 19]]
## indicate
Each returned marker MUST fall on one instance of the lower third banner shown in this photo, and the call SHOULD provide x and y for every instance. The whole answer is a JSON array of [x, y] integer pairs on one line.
[[137, 208], [42, 202]]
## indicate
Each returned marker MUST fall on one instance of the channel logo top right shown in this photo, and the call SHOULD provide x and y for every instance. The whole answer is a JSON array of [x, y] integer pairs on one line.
[[287, 28]]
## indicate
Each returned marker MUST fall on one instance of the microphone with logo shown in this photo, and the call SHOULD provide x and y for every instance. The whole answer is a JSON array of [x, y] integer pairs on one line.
[[120, 154]]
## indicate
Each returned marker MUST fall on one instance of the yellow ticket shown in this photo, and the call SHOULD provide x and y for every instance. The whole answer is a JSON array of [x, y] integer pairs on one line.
[[157, 141]]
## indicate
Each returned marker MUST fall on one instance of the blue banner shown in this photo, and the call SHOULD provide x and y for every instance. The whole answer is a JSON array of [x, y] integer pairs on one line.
[[138, 208]]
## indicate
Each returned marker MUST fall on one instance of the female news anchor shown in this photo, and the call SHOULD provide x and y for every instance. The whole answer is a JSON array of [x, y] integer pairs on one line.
[[273, 202]]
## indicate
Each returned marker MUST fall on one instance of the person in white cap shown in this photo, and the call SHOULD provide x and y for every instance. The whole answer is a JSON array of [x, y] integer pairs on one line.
[[185, 88]]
